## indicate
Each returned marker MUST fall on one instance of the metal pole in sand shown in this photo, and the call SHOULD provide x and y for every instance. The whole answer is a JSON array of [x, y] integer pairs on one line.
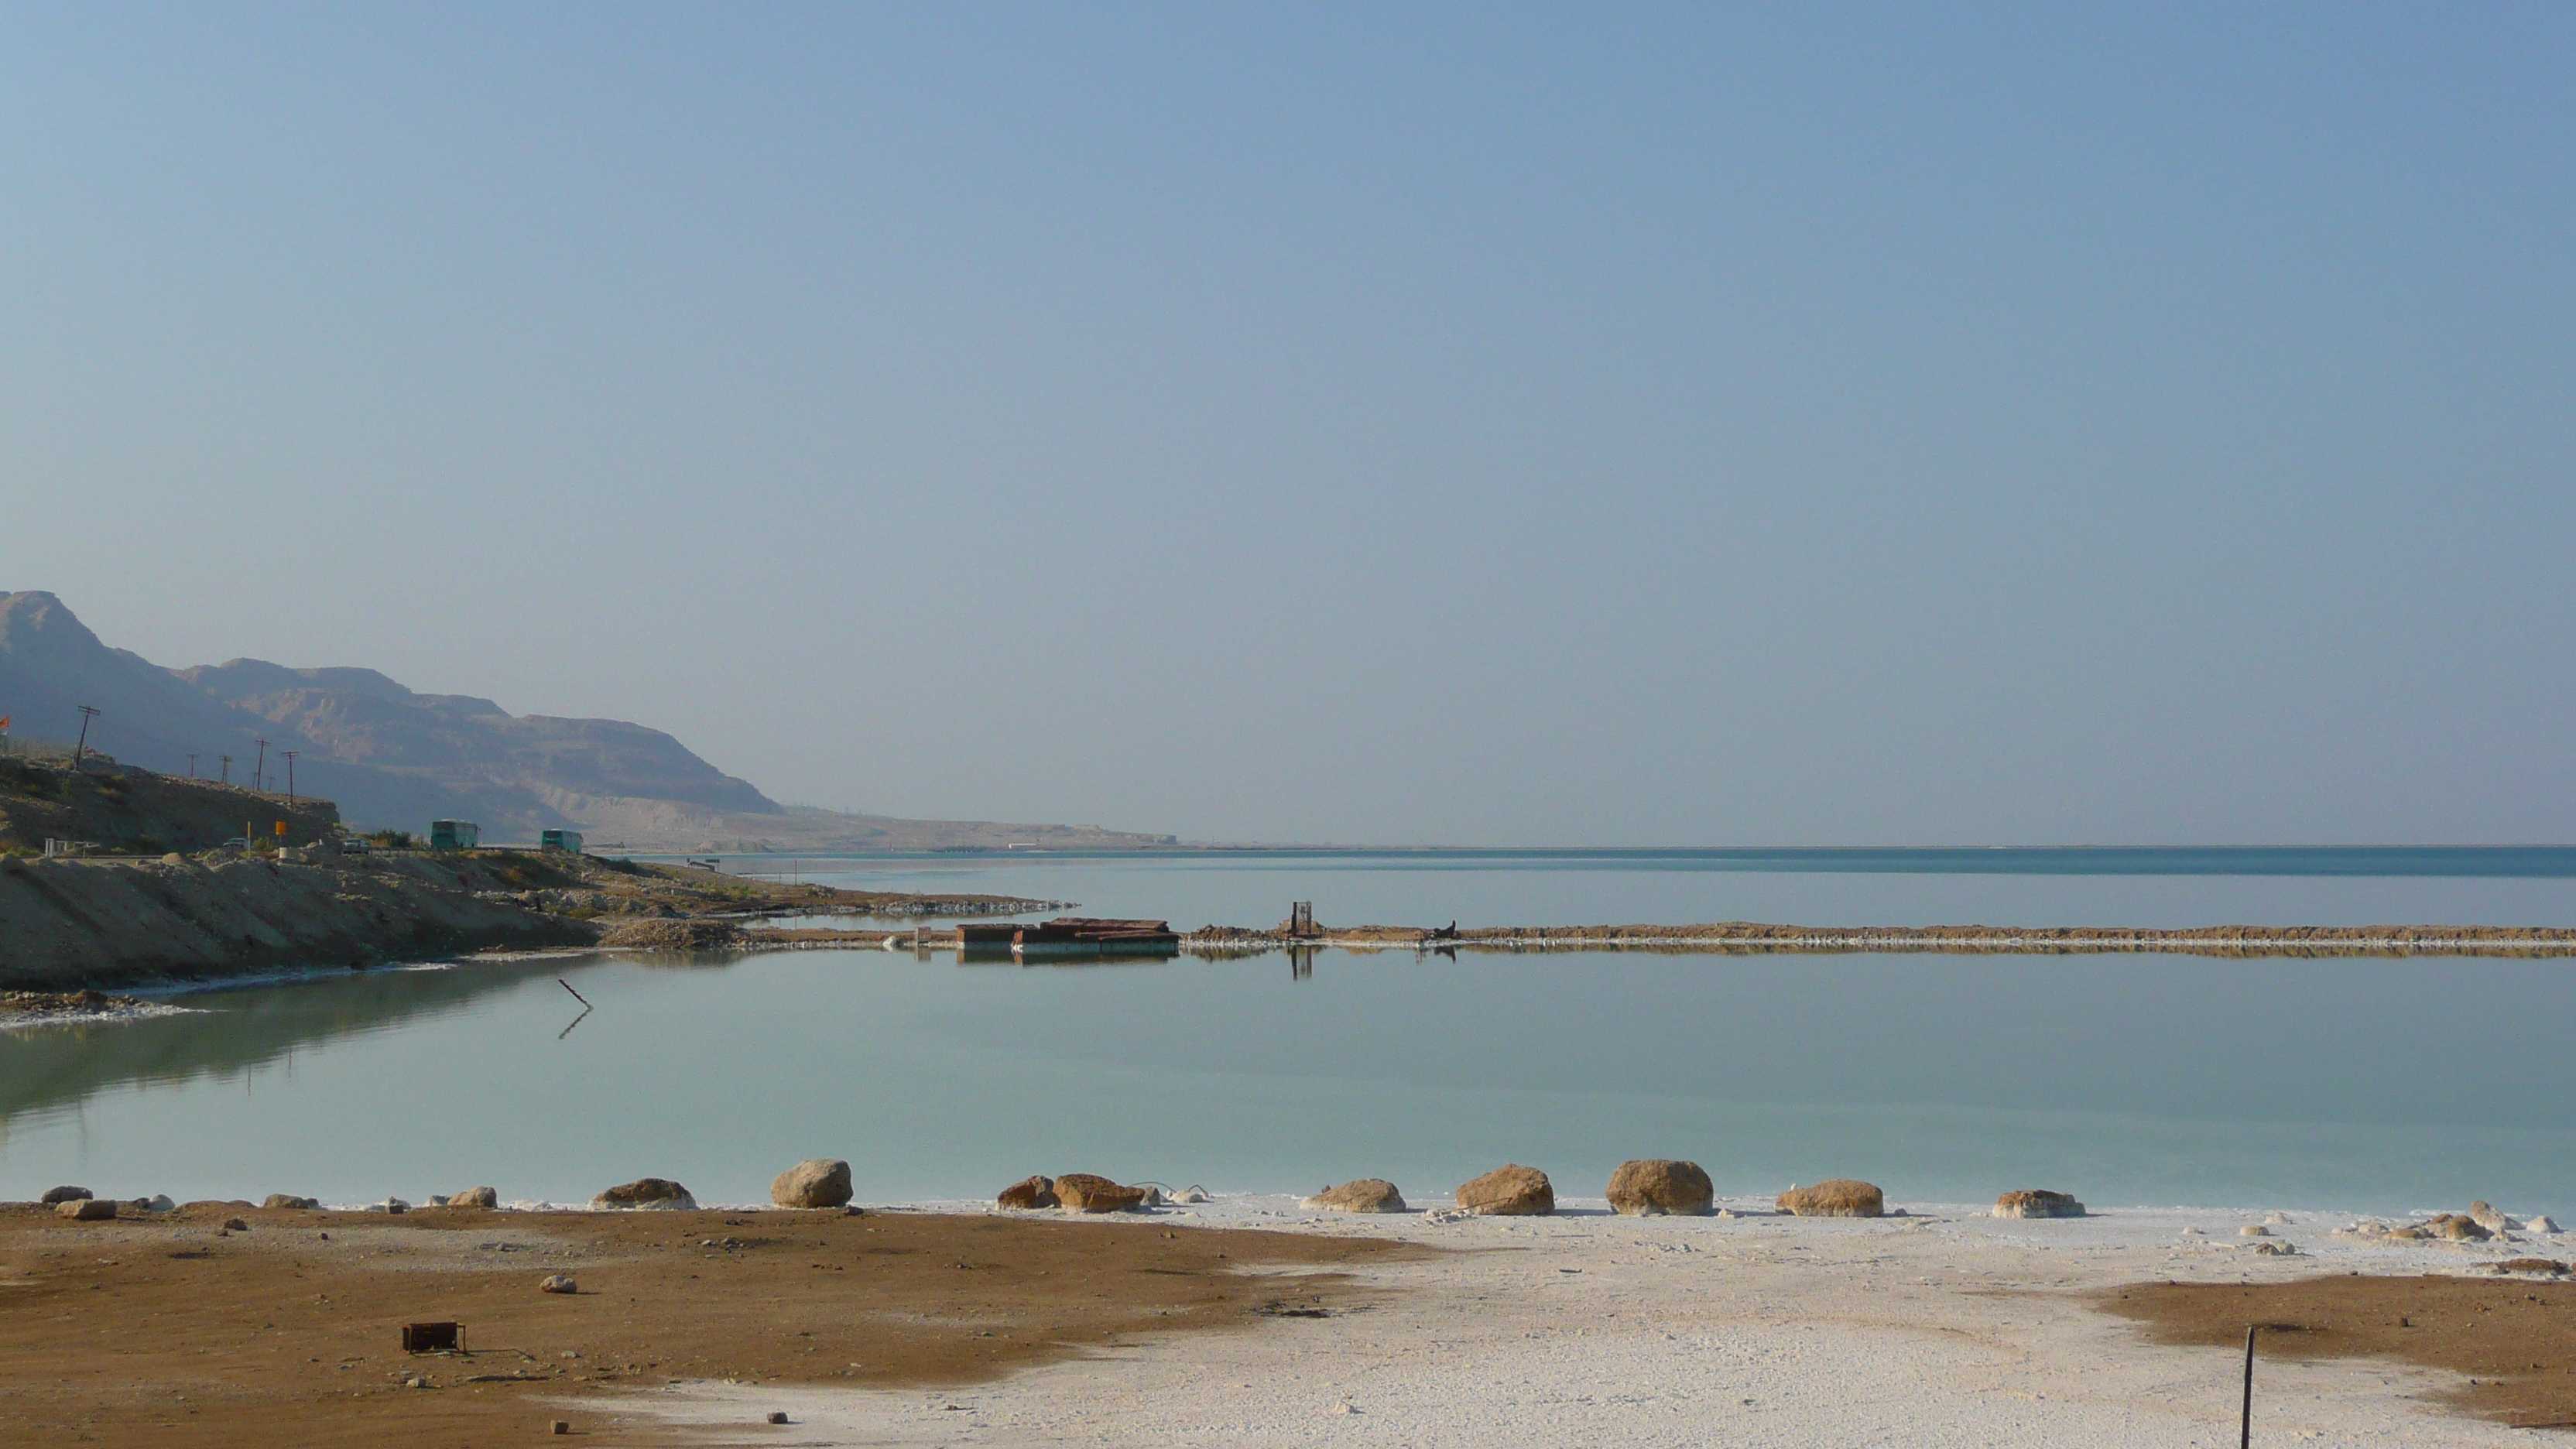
[[2245, 1423]]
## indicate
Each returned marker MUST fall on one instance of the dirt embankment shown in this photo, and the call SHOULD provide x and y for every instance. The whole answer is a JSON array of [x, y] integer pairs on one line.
[[69, 924], [120, 808], [171, 1330]]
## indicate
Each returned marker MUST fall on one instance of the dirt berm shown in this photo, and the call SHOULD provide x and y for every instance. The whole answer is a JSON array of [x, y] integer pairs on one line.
[[68, 924]]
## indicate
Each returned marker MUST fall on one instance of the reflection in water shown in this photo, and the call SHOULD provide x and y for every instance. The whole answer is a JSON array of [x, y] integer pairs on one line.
[[2131, 1079], [231, 1033]]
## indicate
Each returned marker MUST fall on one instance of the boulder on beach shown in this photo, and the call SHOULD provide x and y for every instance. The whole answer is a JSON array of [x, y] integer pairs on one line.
[[475, 1197], [2542, 1224], [159, 1202], [55, 1195], [2488, 1218], [647, 1192], [2453, 1227], [2038, 1202], [1510, 1190], [290, 1201], [87, 1209], [1840, 1197], [1088, 1192], [1661, 1186], [1359, 1195], [819, 1182], [558, 1283], [1028, 1192]]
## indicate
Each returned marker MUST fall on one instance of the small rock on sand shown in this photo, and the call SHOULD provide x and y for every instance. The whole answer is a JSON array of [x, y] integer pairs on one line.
[[290, 1201], [55, 1195], [2038, 1202], [1659, 1186], [2253, 1230], [647, 1192], [1359, 1195], [475, 1197], [558, 1283], [1510, 1190], [1840, 1197], [87, 1209], [819, 1182], [1089, 1192], [1028, 1192], [2274, 1247]]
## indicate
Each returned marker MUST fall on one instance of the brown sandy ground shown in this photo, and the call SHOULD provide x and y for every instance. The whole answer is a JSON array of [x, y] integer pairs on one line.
[[169, 1330], [2514, 1337]]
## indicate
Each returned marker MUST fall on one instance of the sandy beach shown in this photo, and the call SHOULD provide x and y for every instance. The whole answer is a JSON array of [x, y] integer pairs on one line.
[[1251, 1320]]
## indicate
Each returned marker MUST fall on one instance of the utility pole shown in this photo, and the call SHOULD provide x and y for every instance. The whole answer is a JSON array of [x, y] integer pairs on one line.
[[259, 773], [192, 767], [87, 714], [228, 769], [290, 773]]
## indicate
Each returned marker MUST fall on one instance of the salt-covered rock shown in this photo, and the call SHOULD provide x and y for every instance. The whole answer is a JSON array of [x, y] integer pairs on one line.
[[1840, 1197], [1510, 1190], [1359, 1195], [818, 1182], [2275, 1248], [475, 1197], [87, 1209], [647, 1192], [1028, 1192], [2541, 1224], [1089, 1192], [2452, 1227], [2038, 1202], [55, 1195], [1661, 1186], [2254, 1230], [2488, 1218], [1191, 1195], [159, 1202]]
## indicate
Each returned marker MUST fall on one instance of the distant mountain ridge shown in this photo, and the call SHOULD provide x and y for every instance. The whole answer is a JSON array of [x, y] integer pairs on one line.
[[388, 755]]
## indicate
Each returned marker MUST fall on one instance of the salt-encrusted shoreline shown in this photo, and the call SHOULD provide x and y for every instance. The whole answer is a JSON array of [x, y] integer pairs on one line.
[[1941, 1328]]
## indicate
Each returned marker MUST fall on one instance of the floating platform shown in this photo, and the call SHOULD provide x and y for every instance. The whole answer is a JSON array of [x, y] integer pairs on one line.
[[1072, 936]]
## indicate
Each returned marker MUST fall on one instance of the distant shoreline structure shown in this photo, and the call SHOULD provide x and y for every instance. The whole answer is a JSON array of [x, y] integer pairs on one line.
[[1757, 938]]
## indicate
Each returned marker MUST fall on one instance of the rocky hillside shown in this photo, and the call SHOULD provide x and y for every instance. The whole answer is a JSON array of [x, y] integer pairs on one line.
[[391, 757], [119, 808]]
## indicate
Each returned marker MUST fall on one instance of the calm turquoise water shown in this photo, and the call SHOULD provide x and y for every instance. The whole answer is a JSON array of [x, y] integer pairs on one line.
[[2369, 1084]]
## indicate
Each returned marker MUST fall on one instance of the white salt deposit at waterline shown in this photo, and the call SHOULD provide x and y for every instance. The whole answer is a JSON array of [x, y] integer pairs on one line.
[[1945, 1327]]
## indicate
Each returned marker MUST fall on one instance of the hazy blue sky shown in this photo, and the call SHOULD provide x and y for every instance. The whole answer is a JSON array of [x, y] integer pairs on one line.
[[1481, 424]]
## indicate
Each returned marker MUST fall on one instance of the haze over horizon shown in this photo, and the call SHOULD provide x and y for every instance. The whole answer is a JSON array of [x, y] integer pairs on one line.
[[1481, 425]]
